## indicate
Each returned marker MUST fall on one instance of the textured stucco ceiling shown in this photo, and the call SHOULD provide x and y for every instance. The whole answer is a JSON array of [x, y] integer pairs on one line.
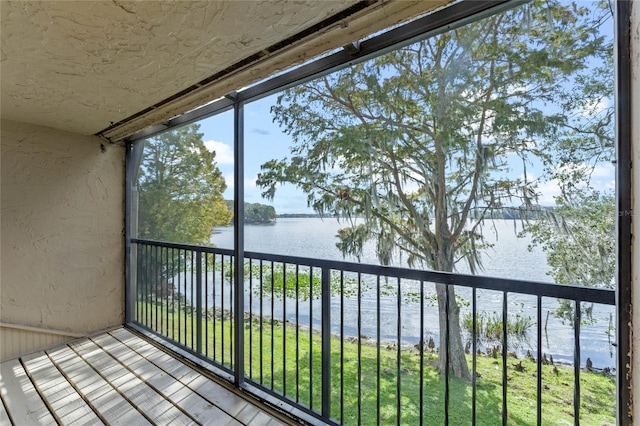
[[81, 65]]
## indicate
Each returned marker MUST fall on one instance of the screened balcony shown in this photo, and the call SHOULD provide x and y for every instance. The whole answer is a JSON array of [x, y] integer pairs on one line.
[[234, 329]]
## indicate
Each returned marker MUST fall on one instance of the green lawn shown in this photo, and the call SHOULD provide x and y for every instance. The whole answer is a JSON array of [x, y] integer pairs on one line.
[[273, 362]]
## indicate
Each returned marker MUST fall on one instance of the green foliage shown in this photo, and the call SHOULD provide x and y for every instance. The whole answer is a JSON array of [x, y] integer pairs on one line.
[[292, 281], [256, 212], [180, 189], [420, 142], [489, 326], [274, 350], [579, 234], [579, 239]]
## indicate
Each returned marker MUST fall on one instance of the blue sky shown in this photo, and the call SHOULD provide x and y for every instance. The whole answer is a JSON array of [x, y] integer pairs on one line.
[[264, 141]]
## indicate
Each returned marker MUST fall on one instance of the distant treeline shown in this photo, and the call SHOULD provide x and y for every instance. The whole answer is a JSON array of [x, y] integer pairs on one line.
[[503, 213], [255, 212], [299, 215], [262, 213]]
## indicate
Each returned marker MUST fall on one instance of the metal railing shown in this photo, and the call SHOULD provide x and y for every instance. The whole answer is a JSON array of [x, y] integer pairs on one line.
[[350, 343]]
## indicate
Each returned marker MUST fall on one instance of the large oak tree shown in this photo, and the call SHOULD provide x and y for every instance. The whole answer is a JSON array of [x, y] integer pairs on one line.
[[427, 140], [180, 188]]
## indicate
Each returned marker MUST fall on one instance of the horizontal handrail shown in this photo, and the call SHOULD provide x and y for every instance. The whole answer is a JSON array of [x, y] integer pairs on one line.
[[179, 246], [533, 288]]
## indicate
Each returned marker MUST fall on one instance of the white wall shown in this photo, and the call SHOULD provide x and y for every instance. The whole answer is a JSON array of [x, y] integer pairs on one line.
[[62, 220]]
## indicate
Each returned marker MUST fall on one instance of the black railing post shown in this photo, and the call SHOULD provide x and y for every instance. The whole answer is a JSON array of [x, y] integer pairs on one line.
[[624, 204], [238, 237], [132, 160], [326, 343], [577, 319], [198, 302]]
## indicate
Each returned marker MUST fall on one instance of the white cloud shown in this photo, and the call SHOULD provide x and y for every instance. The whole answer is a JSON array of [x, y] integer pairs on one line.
[[548, 191], [602, 171], [596, 107], [229, 179], [251, 183], [597, 171], [224, 153], [603, 180]]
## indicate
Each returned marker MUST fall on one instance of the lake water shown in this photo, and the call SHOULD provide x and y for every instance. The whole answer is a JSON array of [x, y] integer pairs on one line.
[[509, 257]]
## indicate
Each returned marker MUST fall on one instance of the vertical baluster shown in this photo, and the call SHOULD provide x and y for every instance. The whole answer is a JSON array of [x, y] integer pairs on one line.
[[504, 358], [399, 353], [199, 302], [251, 319], [474, 346], [172, 293], [206, 304], [143, 273], [539, 365], [222, 333], [421, 349], [149, 264], [232, 311], [215, 309], [446, 356], [261, 322], [359, 331], [185, 316], [577, 319], [160, 294], [272, 321], [193, 298], [325, 298], [342, 347], [297, 333], [169, 285], [311, 337], [156, 278], [165, 289], [284, 329], [154, 291], [167, 292], [378, 354], [139, 281], [179, 297]]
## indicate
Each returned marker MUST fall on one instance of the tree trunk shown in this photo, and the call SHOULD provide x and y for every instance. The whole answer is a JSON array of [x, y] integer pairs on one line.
[[456, 359]]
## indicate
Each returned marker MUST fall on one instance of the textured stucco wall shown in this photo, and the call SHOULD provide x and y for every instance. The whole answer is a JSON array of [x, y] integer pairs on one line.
[[62, 226]]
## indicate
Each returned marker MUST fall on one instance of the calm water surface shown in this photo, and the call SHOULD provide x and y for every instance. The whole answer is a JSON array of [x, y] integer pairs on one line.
[[509, 257]]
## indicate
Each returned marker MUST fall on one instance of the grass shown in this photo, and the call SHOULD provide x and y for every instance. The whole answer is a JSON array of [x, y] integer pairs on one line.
[[288, 360]]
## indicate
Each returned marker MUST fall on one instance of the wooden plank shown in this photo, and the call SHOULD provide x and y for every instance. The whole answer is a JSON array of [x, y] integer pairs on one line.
[[252, 415], [68, 361], [4, 415], [61, 396], [103, 397], [20, 396], [182, 396], [233, 404], [143, 397]]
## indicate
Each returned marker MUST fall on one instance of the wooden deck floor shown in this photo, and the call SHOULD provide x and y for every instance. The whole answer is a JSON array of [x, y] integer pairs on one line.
[[117, 378]]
